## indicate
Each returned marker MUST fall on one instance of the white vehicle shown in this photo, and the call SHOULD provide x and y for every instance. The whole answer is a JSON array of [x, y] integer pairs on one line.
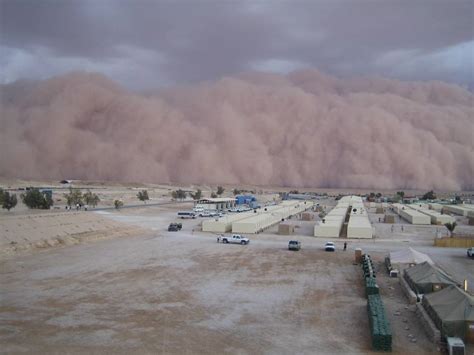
[[198, 209], [329, 246], [235, 239], [208, 213], [470, 252], [186, 214]]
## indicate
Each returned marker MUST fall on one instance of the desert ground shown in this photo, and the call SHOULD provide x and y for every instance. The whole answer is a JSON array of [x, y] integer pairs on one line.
[[116, 281]]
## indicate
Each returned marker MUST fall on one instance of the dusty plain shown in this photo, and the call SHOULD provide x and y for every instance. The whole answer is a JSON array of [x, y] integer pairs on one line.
[[147, 290]]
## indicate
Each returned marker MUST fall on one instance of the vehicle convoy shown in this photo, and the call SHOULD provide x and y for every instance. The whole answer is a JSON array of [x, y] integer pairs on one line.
[[234, 239], [470, 252], [294, 245]]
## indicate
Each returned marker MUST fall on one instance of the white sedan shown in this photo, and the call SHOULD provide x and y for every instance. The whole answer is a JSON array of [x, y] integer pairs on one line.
[[329, 246]]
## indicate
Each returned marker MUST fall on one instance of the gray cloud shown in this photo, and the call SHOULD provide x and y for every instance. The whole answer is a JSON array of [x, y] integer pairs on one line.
[[146, 44]]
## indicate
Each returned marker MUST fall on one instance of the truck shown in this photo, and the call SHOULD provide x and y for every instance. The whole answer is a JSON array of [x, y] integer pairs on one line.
[[174, 227], [294, 245], [234, 239]]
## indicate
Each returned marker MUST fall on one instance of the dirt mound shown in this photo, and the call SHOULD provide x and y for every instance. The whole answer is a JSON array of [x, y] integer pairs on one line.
[[30, 232]]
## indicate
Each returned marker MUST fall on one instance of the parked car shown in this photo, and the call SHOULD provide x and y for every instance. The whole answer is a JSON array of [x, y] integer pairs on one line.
[[470, 252], [294, 245], [235, 239], [329, 246], [173, 227], [186, 214]]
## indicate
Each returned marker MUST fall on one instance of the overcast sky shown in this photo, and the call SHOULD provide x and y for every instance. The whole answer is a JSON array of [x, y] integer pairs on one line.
[[146, 44]]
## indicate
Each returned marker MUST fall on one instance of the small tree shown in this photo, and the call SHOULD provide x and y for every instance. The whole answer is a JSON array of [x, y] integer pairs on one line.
[[220, 190], [36, 200], [8, 201], [430, 195], [178, 194], [143, 195], [91, 199], [450, 227], [181, 194], [399, 196], [118, 204], [371, 197], [197, 195], [1, 196], [74, 197], [237, 192], [213, 194]]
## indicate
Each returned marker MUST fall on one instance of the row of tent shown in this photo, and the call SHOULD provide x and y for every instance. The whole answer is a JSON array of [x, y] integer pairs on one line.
[[426, 278], [452, 311], [450, 307]]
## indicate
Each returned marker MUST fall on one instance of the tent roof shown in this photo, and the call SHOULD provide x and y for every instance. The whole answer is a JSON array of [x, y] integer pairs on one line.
[[409, 256], [452, 304], [427, 273]]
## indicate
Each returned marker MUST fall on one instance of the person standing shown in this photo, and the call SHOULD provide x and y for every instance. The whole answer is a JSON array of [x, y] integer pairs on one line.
[[345, 246]]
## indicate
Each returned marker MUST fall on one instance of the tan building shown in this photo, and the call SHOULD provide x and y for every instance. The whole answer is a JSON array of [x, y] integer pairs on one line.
[[217, 204], [256, 221]]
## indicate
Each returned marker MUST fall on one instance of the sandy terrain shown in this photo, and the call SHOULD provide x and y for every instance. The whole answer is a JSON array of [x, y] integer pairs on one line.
[[182, 293], [151, 291], [29, 232]]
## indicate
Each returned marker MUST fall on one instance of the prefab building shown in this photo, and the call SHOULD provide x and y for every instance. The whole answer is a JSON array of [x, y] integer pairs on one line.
[[359, 227], [459, 210], [255, 223], [412, 216], [217, 204], [339, 211], [270, 216], [436, 217], [223, 224], [435, 206], [331, 228], [397, 207]]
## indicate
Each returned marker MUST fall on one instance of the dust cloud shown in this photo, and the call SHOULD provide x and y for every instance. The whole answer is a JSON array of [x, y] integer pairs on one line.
[[304, 129]]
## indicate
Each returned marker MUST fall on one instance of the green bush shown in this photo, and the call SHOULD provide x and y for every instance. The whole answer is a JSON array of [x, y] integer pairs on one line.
[[35, 199]]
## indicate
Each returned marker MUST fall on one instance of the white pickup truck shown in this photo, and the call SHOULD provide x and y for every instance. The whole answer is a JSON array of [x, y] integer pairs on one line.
[[235, 239]]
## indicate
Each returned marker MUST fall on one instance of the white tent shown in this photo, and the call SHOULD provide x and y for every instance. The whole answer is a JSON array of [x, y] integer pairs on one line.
[[409, 256]]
